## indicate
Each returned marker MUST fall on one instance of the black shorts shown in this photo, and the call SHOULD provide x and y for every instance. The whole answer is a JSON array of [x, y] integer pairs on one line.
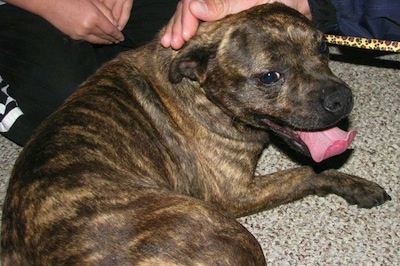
[[40, 66]]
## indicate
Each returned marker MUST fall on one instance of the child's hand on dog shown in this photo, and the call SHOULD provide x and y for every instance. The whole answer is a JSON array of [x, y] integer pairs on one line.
[[184, 23]]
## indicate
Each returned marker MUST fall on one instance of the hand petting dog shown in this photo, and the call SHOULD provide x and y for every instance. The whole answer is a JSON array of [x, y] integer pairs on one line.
[[184, 23]]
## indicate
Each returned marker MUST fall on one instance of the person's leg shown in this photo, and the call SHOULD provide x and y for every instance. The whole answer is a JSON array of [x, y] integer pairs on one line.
[[9, 109], [41, 66]]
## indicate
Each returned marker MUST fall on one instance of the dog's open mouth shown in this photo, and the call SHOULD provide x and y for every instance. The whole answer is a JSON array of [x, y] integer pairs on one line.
[[320, 145]]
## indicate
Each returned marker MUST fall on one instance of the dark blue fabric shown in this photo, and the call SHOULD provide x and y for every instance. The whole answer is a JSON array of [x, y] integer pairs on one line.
[[369, 18]]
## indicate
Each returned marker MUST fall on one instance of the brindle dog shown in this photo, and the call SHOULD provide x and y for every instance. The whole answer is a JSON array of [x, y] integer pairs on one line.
[[151, 159]]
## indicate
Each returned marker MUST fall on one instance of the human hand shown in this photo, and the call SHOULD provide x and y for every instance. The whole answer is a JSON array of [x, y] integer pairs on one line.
[[121, 10], [184, 23], [89, 20]]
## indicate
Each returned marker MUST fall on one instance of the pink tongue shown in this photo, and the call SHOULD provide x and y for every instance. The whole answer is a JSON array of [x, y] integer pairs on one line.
[[327, 143]]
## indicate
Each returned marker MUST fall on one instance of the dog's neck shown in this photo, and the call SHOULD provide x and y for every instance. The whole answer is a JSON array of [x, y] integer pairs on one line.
[[201, 109]]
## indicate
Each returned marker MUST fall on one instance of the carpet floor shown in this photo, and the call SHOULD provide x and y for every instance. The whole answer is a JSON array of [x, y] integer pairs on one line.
[[327, 231]]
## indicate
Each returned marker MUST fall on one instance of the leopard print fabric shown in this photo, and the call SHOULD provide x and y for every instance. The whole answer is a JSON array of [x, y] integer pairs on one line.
[[364, 43]]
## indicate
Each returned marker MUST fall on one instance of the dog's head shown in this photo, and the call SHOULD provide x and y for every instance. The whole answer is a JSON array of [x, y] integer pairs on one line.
[[268, 67]]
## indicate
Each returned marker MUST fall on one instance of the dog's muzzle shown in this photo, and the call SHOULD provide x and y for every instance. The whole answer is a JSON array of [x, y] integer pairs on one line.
[[337, 100]]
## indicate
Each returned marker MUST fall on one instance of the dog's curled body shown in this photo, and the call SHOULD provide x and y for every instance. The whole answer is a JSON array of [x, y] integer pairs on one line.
[[106, 191], [150, 160]]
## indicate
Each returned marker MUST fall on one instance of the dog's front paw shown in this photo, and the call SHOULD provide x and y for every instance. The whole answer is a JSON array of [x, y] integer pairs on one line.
[[359, 191], [368, 195]]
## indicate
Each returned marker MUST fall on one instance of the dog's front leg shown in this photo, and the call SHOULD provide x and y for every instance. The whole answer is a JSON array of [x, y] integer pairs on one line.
[[268, 191]]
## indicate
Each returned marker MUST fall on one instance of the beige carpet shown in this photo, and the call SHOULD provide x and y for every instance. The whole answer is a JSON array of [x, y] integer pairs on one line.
[[326, 231]]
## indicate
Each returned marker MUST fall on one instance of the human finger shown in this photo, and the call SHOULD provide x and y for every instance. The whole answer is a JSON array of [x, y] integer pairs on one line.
[[106, 11], [210, 10], [123, 9], [172, 31]]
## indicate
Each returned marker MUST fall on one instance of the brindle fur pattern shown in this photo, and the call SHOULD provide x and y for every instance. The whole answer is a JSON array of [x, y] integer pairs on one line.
[[151, 159]]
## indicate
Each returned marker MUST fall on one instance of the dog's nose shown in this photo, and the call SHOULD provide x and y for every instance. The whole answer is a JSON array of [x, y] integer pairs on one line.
[[337, 99]]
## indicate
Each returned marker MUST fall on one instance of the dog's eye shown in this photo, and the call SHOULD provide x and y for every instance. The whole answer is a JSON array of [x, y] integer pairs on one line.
[[270, 78], [323, 48]]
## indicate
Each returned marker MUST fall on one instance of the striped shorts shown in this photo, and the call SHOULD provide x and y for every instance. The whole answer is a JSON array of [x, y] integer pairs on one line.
[[9, 110]]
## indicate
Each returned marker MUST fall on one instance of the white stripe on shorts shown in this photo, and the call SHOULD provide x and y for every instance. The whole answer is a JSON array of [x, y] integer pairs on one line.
[[9, 110]]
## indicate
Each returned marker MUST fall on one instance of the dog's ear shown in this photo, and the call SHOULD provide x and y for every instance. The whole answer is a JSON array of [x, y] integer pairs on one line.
[[191, 62]]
